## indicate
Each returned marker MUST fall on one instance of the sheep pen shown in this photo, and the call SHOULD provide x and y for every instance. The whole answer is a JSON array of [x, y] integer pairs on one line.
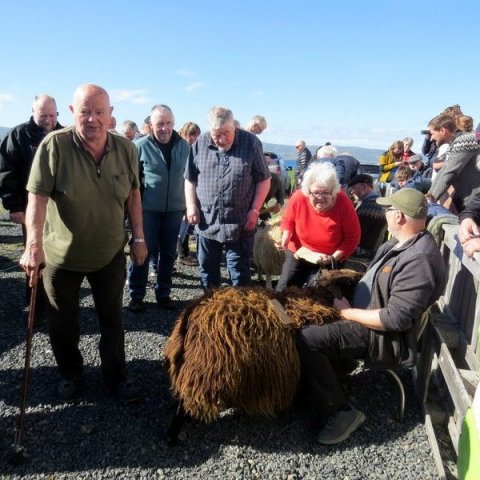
[[231, 349]]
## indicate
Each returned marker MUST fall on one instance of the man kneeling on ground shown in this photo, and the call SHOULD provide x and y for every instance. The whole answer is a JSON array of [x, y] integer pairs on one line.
[[405, 277]]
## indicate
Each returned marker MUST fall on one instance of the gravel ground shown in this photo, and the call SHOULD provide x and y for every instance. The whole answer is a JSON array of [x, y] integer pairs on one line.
[[96, 437]]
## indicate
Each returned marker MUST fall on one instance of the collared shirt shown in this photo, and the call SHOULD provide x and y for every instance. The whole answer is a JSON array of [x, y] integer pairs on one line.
[[84, 227], [225, 183]]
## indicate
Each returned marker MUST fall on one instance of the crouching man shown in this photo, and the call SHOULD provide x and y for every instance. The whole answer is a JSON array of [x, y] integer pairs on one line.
[[405, 277]]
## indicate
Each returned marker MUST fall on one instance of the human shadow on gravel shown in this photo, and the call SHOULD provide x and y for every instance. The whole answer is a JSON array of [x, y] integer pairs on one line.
[[11, 239], [99, 433]]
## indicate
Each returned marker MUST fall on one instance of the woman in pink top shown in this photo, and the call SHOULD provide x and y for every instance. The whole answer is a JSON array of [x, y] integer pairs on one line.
[[320, 218]]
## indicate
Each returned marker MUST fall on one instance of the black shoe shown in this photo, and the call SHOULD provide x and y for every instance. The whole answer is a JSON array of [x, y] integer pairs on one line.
[[167, 303], [136, 305], [124, 392], [68, 388]]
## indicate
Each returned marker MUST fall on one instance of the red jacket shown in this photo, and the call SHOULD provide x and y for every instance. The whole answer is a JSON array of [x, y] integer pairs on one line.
[[322, 232]]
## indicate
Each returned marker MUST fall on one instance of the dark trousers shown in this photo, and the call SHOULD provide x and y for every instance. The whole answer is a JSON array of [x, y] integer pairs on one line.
[[295, 272], [63, 290], [324, 350]]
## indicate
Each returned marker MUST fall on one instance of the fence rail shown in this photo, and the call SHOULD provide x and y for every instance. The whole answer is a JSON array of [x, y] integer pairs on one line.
[[448, 372]]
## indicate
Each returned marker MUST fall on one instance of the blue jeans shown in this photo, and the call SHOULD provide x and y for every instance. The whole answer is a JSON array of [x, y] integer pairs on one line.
[[161, 235], [238, 256]]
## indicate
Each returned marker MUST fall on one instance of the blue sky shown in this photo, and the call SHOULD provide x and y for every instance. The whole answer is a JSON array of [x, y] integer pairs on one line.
[[359, 73]]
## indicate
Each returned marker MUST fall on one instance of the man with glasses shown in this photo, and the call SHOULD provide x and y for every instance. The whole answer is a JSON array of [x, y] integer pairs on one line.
[[226, 182], [256, 125], [406, 276], [304, 157]]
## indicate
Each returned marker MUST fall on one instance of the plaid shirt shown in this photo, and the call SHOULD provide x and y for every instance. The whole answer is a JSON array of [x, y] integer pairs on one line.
[[226, 183]]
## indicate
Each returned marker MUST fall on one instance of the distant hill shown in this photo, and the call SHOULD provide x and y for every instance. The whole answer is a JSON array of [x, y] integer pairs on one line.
[[3, 131], [288, 152], [363, 155]]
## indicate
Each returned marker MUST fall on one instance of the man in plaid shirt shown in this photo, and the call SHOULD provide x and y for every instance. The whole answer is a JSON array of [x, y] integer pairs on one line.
[[226, 182]]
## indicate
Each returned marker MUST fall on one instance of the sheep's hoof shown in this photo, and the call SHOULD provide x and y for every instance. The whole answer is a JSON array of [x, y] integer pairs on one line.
[[175, 427]]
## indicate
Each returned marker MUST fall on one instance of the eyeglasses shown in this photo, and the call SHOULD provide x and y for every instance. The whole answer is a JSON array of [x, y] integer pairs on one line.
[[321, 194], [390, 209]]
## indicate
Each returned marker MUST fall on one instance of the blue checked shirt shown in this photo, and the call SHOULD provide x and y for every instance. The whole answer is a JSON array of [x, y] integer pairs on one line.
[[226, 183]]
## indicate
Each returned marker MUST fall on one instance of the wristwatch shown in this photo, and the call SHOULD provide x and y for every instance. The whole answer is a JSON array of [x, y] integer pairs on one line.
[[136, 240]]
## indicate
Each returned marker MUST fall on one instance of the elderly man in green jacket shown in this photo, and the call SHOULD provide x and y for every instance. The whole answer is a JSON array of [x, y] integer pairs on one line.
[[162, 156]]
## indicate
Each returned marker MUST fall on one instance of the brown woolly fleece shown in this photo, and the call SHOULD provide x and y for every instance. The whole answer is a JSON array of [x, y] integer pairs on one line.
[[230, 349]]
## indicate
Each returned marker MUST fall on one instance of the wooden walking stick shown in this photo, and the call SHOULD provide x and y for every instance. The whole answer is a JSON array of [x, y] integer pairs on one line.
[[18, 452]]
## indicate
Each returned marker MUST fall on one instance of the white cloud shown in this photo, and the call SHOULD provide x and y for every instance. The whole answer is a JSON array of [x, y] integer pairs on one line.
[[186, 73], [137, 97], [194, 86], [4, 98]]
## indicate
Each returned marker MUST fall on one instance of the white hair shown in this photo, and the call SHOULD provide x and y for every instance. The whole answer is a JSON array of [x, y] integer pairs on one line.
[[322, 173], [326, 151], [218, 117]]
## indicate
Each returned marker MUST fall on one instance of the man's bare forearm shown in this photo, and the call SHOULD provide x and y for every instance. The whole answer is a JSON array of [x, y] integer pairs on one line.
[[134, 212], [35, 219]]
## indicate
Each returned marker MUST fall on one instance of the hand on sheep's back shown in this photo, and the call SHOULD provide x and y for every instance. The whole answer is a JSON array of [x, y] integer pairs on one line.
[[231, 349]]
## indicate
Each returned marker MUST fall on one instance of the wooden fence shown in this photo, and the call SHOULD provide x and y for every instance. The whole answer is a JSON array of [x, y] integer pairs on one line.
[[448, 371]]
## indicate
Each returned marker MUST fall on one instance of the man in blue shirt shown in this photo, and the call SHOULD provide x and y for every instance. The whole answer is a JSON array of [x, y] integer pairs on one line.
[[226, 182]]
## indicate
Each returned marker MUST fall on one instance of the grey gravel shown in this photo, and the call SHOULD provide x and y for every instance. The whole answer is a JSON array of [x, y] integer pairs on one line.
[[96, 437]]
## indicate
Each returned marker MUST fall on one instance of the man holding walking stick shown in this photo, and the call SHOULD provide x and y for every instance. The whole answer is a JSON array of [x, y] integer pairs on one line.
[[83, 178]]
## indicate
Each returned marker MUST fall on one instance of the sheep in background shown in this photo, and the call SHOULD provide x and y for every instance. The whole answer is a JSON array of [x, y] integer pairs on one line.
[[230, 348]]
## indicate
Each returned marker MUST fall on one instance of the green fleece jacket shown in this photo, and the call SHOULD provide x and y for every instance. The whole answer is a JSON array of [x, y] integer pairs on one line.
[[163, 187]]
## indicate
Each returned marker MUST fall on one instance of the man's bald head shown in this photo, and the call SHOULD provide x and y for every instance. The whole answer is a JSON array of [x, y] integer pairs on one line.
[[91, 112], [44, 112]]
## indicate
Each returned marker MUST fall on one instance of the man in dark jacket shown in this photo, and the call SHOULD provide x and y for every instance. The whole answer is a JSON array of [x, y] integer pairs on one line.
[[304, 157], [406, 276], [346, 167], [16, 155], [370, 215]]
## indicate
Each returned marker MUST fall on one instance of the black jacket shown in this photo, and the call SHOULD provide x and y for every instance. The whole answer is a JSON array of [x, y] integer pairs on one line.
[[16, 155]]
